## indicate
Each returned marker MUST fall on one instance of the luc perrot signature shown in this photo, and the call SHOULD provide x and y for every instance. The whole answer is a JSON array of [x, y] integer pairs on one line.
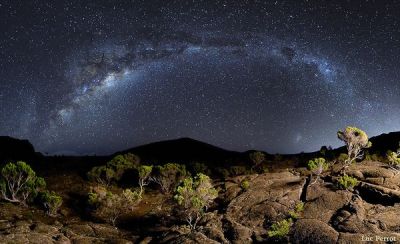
[[378, 238]]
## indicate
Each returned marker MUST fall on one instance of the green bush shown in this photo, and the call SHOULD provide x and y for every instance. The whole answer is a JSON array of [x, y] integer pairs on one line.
[[194, 196], [198, 167], [113, 171], [280, 229], [294, 214], [19, 183], [347, 182], [238, 170], [168, 176], [245, 185], [108, 206], [51, 202], [393, 159], [257, 158], [317, 164]]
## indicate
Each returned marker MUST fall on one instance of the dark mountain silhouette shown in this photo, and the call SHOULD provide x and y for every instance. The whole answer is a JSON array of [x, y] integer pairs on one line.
[[183, 150], [15, 149], [385, 142]]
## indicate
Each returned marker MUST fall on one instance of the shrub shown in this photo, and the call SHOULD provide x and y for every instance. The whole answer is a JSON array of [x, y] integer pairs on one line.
[[101, 174], [393, 159], [356, 140], [257, 158], [278, 157], [317, 165], [114, 169], [51, 202], [199, 168], [168, 176], [238, 170], [222, 172], [375, 157], [19, 183], [245, 185], [294, 214], [194, 196], [347, 182], [280, 229], [110, 206]]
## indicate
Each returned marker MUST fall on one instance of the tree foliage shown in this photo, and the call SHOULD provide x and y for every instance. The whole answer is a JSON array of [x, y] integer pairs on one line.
[[394, 159], [194, 196], [19, 183], [257, 158], [317, 165], [113, 171], [110, 206], [356, 140], [51, 202], [168, 176]]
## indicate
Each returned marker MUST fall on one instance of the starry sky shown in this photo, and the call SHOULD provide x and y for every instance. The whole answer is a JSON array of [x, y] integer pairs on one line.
[[95, 77]]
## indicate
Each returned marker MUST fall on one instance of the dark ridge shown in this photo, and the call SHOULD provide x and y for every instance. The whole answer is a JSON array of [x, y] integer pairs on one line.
[[385, 142], [16, 149], [183, 150]]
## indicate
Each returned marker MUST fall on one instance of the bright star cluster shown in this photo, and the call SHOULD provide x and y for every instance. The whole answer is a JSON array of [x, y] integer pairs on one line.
[[94, 77]]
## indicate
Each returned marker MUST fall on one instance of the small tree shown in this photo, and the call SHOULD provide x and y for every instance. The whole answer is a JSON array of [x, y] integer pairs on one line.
[[101, 174], [195, 196], [198, 167], [394, 159], [356, 140], [51, 202], [257, 158], [113, 171], [317, 166], [19, 183], [144, 172], [168, 176], [110, 206]]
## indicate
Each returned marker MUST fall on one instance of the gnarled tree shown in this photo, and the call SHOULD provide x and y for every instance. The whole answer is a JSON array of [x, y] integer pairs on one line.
[[168, 176], [109, 206], [19, 183], [194, 196], [356, 140], [317, 166], [144, 173]]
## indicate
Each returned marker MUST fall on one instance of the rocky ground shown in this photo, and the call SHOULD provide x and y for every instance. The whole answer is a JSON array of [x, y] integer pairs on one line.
[[330, 215]]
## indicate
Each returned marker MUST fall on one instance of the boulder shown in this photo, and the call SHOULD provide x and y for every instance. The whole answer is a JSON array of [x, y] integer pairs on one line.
[[313, 231]]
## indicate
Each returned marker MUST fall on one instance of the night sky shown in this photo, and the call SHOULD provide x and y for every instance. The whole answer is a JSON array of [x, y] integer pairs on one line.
[[94, 77]]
